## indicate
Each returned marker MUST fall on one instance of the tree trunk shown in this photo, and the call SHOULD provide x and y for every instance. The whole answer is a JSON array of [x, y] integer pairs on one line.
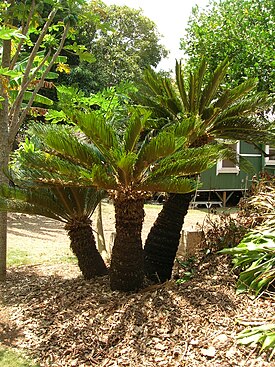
[[4, 153], [163, 239], [83, 246], [126, 271]]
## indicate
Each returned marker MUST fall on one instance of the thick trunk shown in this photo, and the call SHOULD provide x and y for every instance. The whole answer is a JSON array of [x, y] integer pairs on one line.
[[163, 239], [83, 246], [126, 271]]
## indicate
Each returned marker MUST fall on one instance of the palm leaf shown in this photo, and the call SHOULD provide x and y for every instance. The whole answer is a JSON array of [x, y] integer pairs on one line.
[[168, 184], [62, 139], [232, 95], [181, 86], [213, 85], [189, 161], [134, 128], [101, 134], [160, 146]]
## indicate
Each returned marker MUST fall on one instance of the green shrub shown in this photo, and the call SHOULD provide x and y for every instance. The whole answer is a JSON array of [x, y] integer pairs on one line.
[[255, 257]]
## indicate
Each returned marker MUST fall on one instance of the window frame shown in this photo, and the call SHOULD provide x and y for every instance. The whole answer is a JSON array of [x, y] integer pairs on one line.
[[236, 169], [268, 161]]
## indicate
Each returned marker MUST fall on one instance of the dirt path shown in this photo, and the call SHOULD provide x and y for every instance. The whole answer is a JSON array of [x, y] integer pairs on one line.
[[38, 240]]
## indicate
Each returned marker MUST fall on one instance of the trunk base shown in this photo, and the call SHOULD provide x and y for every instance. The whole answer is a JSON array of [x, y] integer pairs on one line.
[[163, 239]]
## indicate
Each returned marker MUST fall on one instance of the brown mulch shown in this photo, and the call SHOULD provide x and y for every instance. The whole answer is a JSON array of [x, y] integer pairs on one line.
[[62, 320]]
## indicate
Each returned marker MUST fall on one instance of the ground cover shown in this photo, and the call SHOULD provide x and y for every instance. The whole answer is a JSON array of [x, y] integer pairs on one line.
[[49, 312]]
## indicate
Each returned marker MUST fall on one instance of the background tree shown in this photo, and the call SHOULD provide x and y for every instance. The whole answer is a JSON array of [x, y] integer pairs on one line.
[[243, 31], [123, 43], [21, 80]]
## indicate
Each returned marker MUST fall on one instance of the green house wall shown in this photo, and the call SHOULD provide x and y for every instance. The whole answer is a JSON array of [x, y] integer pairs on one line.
[[210, 180]]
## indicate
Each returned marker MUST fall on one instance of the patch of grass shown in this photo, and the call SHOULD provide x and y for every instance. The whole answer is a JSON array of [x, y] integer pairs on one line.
[[10, 358], [38, 255]]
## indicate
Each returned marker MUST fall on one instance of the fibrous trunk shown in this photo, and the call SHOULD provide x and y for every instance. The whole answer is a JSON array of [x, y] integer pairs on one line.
[[83, 246], [163, 239], [126, 271]]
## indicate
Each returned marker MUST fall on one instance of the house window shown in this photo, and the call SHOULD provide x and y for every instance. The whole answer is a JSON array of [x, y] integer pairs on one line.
[[270, 150], [227, 166]]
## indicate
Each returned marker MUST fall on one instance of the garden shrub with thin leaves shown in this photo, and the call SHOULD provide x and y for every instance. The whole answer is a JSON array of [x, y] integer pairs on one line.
[[263, 334], [255, 256]]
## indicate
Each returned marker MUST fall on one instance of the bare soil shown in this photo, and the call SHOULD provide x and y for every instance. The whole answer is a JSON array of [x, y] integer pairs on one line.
[[52, 314]]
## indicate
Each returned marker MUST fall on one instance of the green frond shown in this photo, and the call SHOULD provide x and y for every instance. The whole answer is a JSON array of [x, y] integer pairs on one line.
[[63, 203], [192, 93], [188, 130], [245, 128], [99, 131], [126, 165], [30, 201], [169, 184], [230, 96], [181, 86], [152, 80], [199, 78], [246, 106], [26, 208], [190, 161], [170, 99], [213, 85], [103, 179], [136, 125], [160, 146], [47, 162], [63, 140]]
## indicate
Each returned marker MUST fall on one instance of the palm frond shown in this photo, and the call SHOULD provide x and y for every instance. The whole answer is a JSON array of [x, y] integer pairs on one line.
[[181, 86], [136, 125], [248, 129], [125, 166], [103, 179], [213, 85], [160, 146], [99, 131], [230, 96], [246, 106], [169, 184], [60, 203], [61, 139], [189, 161]]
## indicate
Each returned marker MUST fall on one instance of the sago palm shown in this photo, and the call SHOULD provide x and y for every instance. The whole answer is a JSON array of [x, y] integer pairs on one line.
[[129, 168], [224, 114], [72, 206]]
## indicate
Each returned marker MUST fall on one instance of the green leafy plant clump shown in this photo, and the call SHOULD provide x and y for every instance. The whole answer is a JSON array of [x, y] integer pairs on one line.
[[263, 334], [255, 256]]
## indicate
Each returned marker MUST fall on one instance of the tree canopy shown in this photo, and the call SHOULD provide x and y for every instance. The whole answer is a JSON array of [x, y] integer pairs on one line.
[[123, 43], [241, 30]]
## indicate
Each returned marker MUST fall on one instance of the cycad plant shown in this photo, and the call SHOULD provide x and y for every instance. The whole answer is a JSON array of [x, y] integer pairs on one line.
[[128, 165], [72, 206], [225, 114]]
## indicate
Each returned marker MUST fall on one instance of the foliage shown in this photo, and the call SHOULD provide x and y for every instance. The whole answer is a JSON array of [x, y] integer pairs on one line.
[[123, 44], [243, 31], [263, 334], [255, 257], [225, 113]]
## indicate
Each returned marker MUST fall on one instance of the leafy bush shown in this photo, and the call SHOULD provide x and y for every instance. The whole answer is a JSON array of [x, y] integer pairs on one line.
[[263, 334], [255, 256]]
